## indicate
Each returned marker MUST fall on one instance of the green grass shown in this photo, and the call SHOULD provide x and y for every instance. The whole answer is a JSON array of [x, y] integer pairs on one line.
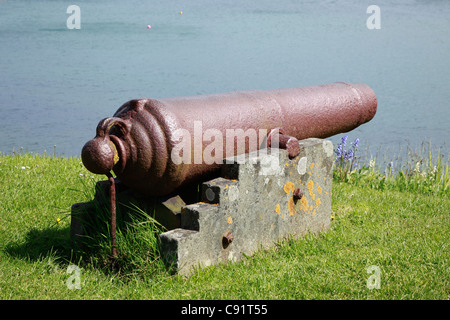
[[403, 231]]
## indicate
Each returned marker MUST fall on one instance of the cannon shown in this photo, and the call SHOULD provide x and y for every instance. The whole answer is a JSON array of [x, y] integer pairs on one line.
[[156, 147], [139, 141]]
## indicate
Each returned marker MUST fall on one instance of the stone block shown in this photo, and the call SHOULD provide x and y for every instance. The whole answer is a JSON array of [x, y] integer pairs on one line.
[[261, 198]]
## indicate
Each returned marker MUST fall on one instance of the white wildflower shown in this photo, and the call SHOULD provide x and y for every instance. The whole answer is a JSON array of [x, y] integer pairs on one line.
[[417, 167], [434, 171]]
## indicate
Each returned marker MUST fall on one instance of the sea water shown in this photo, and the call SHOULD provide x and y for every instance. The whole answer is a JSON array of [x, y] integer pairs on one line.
[[57, 82]]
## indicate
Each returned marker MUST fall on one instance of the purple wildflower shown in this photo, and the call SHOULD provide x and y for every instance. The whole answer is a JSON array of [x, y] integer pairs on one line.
[[391, 166], [339, 150], [350, 154]]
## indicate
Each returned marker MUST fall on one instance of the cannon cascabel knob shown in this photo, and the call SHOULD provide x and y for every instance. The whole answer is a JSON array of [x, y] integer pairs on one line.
[[99, 155]]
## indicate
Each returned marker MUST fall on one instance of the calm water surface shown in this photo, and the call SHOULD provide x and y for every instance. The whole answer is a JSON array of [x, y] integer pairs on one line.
[[56, 83]]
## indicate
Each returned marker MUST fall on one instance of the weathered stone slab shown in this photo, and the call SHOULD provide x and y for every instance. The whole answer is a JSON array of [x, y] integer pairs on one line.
[[253, 205]]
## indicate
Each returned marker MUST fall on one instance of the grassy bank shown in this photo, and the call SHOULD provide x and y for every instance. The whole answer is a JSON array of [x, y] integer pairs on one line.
[[402, 231]]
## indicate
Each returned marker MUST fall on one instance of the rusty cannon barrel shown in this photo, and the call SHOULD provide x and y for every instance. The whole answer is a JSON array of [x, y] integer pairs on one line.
[[156, 146]]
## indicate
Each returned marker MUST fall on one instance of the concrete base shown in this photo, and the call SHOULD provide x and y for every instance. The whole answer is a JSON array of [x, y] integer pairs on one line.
[[253, 206]]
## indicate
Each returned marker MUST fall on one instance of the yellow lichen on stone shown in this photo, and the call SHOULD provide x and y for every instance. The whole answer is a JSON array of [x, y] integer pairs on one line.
[[288, 187], [318, 202], [291, 206], [304, 204], [310, 186], [319, 189], [277, 208]]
